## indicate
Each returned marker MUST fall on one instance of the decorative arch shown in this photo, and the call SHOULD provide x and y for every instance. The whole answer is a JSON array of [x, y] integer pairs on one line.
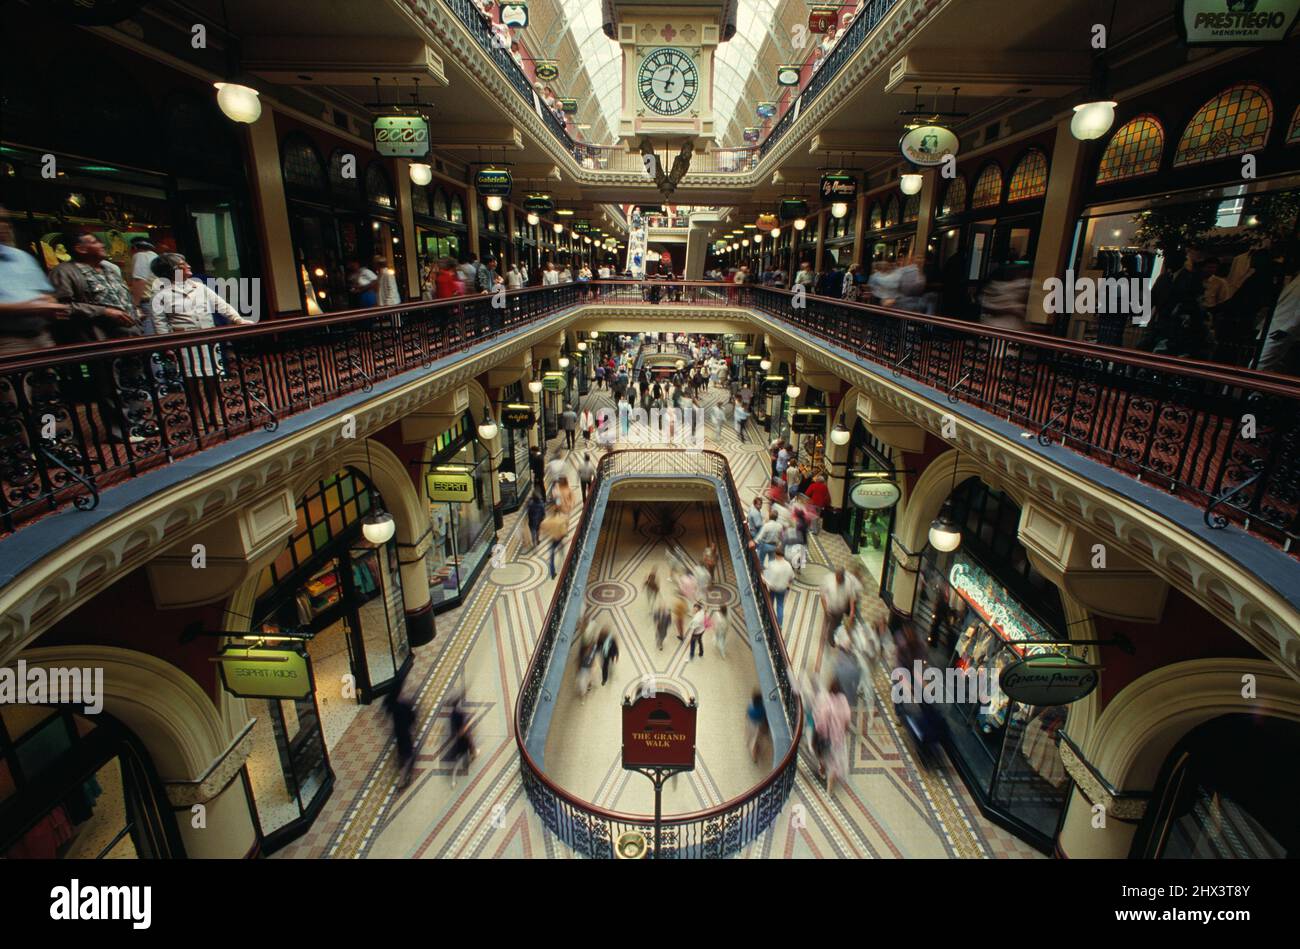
[[302, 165], [987, 192], [932, 490], [954, 197], [891, 211], [1135, 150], [911, 208], [876, 217], [456, 209], [1234, 122], [1029, 176], [379, 190], [344, 187]]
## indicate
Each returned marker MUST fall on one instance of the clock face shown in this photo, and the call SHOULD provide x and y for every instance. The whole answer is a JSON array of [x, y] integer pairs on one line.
[[668, 81]]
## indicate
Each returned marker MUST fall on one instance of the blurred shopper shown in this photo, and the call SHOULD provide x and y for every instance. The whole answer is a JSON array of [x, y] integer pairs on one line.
[[832, 718], [462, 737], [403, 716], [554, 528], [607, 648], [777, 577], [536, 514], [757, 728]]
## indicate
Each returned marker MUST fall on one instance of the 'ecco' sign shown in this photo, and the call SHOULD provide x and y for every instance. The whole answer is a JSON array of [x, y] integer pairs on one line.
[[402, 136]]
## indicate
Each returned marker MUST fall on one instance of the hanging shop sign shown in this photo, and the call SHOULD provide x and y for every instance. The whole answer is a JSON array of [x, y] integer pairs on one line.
[[751, 135], [792, 208], [766, 110], [517, 415], [553, 381], [738, 346], [651, 208], [873, 494], [822, 18], [539, 203], [752, 360], [659, 732], [928, 145], [582, 227], [773, 385], [1235, 22], [808, 420], [265, 673], [569, 105], [787, 75], [514, 15], [1048, 680], [453, 483], [401, 136], [547, 70], [766, 222], [493, 182], [839, 186]]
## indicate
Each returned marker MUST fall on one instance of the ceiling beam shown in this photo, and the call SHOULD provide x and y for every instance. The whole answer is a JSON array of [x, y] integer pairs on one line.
[[343, 61]]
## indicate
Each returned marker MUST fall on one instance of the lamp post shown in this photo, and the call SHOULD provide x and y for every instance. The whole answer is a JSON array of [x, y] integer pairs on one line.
[[487, 431], [535, 387]]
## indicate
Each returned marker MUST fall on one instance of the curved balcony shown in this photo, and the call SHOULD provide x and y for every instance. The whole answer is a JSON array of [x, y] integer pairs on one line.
[[714, 832]]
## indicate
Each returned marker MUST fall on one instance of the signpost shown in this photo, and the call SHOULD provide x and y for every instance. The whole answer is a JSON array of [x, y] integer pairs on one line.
[[659, 718]]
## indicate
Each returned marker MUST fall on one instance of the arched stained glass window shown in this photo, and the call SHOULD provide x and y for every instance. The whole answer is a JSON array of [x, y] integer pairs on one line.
[[1234, 122], [302, 164], [457, 210], [341, 185], [378, 190], [1133, 151], [1293, 133], [987, 192], [440, 205], [954, 197], [891, 212], [911, 208], [1029, 179], [419, 199], [875, 217]]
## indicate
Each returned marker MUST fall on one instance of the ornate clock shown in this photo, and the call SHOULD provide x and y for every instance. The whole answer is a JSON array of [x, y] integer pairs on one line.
[[668, 81]]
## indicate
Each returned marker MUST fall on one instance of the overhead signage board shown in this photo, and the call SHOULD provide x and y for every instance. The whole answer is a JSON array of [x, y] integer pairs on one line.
[[547, 70], [266, 673], [766, 221], [517, 415], [515, 15], [874, 495], [1235, 22], [401, 136], [751, 135], [493, 182], [450, 483], [1048, 680], [808, 420], [659, 732], [569, 105], [553, 381], [839, 186], [773, 385], [788, 74], [539, 203], [792, 208], [929, 145], [822, 18], [766, 110]]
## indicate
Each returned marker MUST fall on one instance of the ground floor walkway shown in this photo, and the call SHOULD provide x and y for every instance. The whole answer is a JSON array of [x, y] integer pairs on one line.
[[891, 806]]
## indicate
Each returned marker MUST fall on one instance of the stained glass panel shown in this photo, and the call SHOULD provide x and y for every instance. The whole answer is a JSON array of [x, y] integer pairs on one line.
[[341, 185], [911, 208], [1029, 180], [988, 188], [1235, 121], [1133, 151], [378, 190], [302, 164], [891, 212], [875, 217], [954, 198], [1293, 133]]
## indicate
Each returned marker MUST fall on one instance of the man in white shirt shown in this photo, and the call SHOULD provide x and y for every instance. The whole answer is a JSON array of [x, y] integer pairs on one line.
[[768, 537], [777, 576], [551, 276], [837, 603], [556, 468], [1282, 329], [142, 278]]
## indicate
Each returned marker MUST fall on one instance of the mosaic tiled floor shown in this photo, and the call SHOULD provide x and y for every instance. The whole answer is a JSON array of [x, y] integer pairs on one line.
[[892, 805]]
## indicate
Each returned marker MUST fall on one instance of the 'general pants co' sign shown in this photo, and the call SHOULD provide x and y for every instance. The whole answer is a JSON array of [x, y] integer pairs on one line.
[[659, 732], [401, 136]]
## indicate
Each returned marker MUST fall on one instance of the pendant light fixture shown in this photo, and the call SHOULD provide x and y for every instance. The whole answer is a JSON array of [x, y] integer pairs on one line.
[[776, 232], [839, 209], [800, 223], [945, 532], [910, 182], [558, 228], [532, 219], [237, 102], [493, 202], [420, 172], [564, 362], [1094, 117], [839, 434], [534, 386], [765, 364], [792, 390], [377, 527]]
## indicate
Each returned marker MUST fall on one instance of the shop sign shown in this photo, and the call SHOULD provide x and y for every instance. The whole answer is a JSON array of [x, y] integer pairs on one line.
[[821, 19], [752, 360], [994, 604], [659, 732], [773, 385], [451, 483], [1048, 680], [553, 382], [766, 222], [839, 186], [569, 105], [401, 136], [265, 673], [788, 74], [651, 208], [547, 70], [766, 110], [874, 495], [539, 203], [1235, 22], [792, 208], [738, 346], [517, 415], [929, 145], [493, 181], [751, 135], [515, 15], [808, 420]]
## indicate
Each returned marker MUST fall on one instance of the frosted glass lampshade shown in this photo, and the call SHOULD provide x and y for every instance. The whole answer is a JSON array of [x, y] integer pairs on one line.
[[239, 103], [1092, 120], [378, 527], [421, 174], [910, 183]]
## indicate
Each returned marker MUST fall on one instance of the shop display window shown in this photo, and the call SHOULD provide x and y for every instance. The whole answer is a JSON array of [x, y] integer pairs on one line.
[[379, 191], [1234, 122], [302, 164], [461, 532], [1133, 151]]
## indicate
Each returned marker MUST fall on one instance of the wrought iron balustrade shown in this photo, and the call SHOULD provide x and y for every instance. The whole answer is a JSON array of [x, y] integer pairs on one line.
[[718, 831]]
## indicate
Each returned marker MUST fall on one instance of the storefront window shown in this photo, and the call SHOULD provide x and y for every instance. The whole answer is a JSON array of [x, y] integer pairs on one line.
[[461, 529], [870, 524]]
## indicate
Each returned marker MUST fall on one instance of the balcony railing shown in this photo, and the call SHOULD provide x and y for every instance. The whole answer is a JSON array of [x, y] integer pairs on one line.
[[719, 831], [77, 419], [1222, 438], [622, 159]]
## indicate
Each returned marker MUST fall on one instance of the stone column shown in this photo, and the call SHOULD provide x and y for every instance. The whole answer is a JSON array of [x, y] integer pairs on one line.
[[279, 261], [822, 217], [472, 219], [1060, 211], [406, 214], [420, 628], [925, 214], [512, 247], [859, 225]]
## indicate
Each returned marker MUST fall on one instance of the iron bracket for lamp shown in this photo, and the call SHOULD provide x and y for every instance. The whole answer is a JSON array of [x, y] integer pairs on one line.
[[952, 393], [1217, 521], [81, 502], [1044, 433], [895, 369], [274, 423], [356, 367]]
